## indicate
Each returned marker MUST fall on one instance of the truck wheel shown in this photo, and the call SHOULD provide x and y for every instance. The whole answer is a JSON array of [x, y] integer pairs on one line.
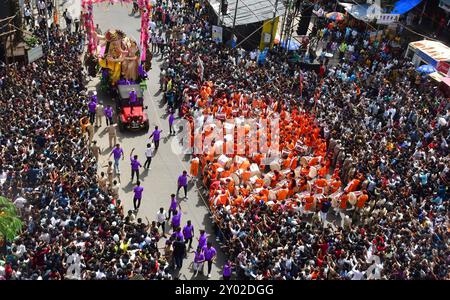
[[146, 126], [121, 125]]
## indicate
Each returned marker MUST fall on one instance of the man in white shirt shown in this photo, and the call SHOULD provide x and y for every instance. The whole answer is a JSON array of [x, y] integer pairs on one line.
[[161, 218], [149, 154]]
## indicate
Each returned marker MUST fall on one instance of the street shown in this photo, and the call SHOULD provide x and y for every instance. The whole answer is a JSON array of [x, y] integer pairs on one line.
[[166, 166]]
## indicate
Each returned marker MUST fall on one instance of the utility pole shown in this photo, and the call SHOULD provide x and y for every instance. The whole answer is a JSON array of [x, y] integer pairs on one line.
[[235, 13], [46, 25], [284, 24], [272, 37]]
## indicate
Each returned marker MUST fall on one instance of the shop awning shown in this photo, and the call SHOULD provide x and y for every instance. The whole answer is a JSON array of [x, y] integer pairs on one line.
[[403, 6], [249, 11], [358, 11]]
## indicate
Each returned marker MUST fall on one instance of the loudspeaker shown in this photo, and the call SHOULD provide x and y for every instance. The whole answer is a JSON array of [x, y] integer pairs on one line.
[[303, 25]]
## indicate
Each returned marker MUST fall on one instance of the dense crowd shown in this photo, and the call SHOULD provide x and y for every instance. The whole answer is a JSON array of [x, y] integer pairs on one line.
[[381, 127], [385, 125], [74, 229]]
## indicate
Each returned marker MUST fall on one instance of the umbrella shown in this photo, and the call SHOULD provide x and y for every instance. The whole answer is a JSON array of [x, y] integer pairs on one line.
[[426, 69], [335, 16]]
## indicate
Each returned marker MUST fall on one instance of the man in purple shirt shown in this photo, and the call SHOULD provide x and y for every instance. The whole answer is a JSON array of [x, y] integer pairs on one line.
[[227, 270], [176, 219], [108, 111], [173, 205], [183, 182], [118, 153], [199, 260], [138, 189], [92, 107], [171, 119], [135, 165], [178, 234], [133, 99], [210, 254], [202, 239], [156, 134], [188, 233]]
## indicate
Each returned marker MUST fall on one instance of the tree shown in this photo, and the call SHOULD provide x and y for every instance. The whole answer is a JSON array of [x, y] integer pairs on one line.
[[10, 223]]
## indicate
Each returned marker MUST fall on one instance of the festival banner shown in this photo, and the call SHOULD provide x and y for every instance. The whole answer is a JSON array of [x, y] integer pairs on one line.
[[269, 29], [217, 32]]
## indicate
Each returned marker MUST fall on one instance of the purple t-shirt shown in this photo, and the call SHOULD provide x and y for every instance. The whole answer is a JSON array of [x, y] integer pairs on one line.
[[179, 235], [209, 253], [133, 97], [173, 204], [92, 105], [199, 257], [135, 164], [171, 119], [176, 219], [117, 153], [182, 180], [187, 231], [156, 135], [138, 192], [108, 112], [202, 240], [227, 270]]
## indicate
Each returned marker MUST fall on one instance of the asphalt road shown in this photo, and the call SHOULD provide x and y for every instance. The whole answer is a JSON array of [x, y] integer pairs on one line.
[[161, 180]]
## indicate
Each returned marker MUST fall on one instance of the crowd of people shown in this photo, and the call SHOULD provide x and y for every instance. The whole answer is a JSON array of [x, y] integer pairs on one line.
[[74, 229], [375, 206], [360, 191]]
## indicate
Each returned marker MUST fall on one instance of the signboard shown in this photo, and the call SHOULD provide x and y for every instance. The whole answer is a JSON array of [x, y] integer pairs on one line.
[[443, 67], [217, 34], [386, 19], [269, 29], [34, 54]]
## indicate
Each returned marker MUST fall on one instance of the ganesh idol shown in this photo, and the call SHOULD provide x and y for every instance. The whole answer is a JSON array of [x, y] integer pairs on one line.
[[119, 55]]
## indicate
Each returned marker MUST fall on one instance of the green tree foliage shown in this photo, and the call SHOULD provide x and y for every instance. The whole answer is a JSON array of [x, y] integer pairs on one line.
[[10, 223]]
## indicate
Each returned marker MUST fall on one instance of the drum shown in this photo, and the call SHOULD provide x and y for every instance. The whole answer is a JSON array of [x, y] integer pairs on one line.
[[312, 172], [275, 165], [272, 195], [304, 160], [224, 161], [235, 178], [298, 171], [221, 116], [254, 169], [352, 198], [268, 178]]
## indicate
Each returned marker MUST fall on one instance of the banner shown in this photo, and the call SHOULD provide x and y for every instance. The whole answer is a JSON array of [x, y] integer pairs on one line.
[[217, 33], [386, 19], [145, 18], [269, 30]]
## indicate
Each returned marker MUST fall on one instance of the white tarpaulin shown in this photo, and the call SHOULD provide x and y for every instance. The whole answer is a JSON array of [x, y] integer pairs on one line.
[[248, 11], [364, 12]]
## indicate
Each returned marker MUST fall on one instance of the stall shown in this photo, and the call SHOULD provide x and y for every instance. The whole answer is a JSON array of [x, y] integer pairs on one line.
[[428, 52]]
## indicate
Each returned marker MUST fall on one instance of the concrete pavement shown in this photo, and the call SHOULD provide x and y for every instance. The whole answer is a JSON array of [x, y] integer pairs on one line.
[[161, 180]]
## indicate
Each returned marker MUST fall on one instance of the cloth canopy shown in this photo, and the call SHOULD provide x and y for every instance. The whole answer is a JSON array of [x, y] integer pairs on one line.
[[248, 11], [358, 11], [403, 6]]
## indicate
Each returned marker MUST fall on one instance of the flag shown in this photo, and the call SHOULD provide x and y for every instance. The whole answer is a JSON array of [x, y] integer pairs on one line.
[[301, 84]]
